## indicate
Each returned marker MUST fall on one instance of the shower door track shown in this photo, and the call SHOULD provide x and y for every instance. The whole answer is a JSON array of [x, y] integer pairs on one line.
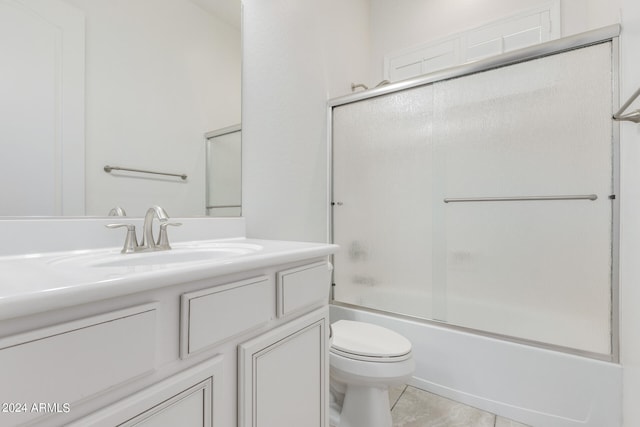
[[609, 33]]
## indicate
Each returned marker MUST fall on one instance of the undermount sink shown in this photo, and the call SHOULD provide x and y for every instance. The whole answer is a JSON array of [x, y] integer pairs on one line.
[[180, 254]]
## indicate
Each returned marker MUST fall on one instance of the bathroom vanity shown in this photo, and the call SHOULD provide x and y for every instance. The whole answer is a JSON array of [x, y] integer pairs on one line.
[[218, 332]]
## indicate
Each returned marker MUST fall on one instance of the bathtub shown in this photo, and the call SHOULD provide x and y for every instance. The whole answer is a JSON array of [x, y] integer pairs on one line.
[[535, 386]]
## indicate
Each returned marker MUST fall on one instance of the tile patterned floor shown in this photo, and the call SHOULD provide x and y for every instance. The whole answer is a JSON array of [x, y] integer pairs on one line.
[[412, 407]]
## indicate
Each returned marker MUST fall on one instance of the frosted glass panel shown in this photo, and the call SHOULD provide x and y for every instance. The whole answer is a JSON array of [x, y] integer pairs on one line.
[[530, 270], [540, 270], [382, 184], [541, 127], [537, 270]]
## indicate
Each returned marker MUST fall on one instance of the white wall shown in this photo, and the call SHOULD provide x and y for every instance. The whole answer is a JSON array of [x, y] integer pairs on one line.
[[285, 88], [346, 53], [158, 76], [630, 218]]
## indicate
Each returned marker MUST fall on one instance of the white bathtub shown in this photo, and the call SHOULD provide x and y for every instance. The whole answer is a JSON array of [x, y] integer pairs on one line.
[[532, 385]]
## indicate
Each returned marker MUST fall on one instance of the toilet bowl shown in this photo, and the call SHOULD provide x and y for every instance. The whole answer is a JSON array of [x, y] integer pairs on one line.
[[365, 360]]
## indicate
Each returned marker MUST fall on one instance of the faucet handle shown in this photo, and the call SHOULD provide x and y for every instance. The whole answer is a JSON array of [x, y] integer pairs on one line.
[[163, 238], [130, 241]]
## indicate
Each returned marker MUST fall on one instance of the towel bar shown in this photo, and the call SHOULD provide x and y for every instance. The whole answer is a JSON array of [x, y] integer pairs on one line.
[[108, 169], [520, 198]]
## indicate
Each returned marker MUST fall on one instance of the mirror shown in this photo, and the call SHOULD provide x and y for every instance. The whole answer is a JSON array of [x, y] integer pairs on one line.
[[132, 84]]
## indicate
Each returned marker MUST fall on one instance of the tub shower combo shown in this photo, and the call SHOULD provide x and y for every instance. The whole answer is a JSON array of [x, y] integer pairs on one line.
[[477, 212]]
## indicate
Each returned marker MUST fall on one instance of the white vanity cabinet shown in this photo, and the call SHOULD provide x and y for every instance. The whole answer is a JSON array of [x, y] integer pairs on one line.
[[248, 348]]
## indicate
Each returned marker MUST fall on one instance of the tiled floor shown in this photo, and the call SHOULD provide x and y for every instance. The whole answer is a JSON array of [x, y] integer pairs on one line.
[[412, 407]]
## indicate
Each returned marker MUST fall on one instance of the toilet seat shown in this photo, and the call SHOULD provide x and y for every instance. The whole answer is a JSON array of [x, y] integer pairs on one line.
[[368, 342]]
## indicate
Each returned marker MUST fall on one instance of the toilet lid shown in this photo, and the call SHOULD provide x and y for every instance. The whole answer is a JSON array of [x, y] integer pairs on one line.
[[365, 339]]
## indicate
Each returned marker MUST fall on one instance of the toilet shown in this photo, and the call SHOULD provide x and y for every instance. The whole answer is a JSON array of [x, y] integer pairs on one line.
[[365, 360]]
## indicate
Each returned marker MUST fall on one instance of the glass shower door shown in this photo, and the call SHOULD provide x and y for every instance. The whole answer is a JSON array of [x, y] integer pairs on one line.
[[538, 268], [484, 201], [382, 212]]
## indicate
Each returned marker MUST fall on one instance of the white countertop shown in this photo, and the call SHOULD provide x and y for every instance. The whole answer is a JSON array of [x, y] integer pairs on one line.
[[40, 282]]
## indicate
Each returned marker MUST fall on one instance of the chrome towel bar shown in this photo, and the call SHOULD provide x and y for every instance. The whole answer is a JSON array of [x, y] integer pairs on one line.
[[520, 198], [108, 169]]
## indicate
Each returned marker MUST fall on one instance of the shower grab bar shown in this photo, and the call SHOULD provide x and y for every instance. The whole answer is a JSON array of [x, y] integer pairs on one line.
[[108, 169], [633, 116], [521, 198], [223, 206]]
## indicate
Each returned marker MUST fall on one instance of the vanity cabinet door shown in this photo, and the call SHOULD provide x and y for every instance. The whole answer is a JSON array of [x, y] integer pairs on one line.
[[283, 375], [191, 398], [186, 409]]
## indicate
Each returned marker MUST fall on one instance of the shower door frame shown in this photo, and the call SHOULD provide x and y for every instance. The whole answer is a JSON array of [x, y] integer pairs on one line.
[[602, 35]]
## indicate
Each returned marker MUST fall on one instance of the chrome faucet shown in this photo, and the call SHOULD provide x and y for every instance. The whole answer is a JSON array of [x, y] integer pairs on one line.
[[148, 242]]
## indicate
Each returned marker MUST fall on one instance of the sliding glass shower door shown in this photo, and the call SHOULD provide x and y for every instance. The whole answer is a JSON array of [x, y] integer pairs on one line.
[[484, 201], [383, 202]]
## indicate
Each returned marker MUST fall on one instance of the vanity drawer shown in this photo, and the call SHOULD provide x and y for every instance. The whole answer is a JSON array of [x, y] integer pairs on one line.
[[66, 363], [303, 287], [216, 314]]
